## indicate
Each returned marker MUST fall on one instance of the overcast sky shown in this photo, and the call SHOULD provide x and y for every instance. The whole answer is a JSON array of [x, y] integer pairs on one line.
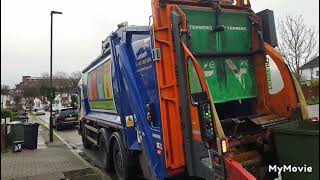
[[78, 32]]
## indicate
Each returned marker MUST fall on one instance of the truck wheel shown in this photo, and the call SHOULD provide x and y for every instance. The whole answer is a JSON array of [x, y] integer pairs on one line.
[[58, 127], [120, 158], [86, 143], [106, 157]]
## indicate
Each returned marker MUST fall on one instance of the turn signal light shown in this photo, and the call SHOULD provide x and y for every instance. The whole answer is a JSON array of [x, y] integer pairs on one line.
[[245, 2], [224, 146], [314, 119]]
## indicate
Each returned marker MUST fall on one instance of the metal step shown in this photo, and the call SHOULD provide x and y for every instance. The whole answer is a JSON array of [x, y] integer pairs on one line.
[[268, 120], [92, 140]]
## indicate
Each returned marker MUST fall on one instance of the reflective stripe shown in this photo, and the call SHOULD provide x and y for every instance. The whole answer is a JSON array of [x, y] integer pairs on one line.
[[196, 132], [157, 136]]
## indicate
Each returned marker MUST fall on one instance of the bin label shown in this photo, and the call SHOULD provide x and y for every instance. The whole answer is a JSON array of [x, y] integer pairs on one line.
[[17, 147]]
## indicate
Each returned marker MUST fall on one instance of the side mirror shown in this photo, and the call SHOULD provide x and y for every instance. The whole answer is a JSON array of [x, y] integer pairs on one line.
[[208, 135], [269, 28]]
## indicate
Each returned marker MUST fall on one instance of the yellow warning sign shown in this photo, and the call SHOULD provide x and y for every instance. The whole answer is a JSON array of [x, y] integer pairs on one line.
[[129, 121]]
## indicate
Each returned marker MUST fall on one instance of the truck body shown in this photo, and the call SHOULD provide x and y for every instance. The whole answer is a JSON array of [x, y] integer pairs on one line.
[[194, 94]]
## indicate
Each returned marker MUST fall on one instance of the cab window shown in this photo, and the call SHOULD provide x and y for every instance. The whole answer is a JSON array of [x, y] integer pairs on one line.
[[194, 80]]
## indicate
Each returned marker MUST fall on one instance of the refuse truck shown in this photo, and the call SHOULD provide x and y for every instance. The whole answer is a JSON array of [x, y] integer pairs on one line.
[[193, 94]]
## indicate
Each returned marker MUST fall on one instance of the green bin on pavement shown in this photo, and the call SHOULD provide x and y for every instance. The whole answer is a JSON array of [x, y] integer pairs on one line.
[[297, 144], [16, 133]]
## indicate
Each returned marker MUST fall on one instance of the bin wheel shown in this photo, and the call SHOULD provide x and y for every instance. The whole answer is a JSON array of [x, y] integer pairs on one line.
[[121, 159]]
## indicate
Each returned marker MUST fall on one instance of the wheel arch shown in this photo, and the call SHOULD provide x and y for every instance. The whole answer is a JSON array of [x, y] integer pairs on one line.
[[115, 136]]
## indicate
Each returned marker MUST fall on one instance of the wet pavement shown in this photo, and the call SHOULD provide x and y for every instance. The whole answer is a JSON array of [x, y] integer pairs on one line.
[[50, 161], [71, 136]]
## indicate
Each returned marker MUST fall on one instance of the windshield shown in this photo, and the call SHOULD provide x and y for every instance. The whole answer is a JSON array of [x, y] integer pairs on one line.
[[65, 112]]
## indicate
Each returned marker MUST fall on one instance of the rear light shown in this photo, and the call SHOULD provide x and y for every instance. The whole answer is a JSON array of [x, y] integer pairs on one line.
[[314, 119], [224, 146], [176, 171], [59, 119]]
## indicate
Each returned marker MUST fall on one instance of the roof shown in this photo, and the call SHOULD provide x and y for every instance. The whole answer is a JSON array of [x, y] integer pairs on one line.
[[46, 78], [311, 64], [107, 41]]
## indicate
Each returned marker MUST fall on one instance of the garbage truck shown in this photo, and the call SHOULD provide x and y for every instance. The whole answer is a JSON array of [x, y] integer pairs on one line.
[[193, 94]]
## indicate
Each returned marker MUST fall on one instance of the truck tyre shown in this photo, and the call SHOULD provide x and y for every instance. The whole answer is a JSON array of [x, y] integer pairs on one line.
[[106, 156], [86, 143], [120, 158], [58, 127]]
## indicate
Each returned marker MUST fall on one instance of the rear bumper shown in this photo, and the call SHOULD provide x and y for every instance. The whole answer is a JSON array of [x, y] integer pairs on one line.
[[68, 122]]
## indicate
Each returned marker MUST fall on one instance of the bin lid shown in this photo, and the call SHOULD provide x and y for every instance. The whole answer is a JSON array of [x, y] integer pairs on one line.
[[30, 124], [297, 128], [14, 122]]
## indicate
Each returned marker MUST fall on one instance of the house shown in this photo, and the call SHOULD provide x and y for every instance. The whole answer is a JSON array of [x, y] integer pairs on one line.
[[6, 101], [310, 70], [61, 100], [37, 103]]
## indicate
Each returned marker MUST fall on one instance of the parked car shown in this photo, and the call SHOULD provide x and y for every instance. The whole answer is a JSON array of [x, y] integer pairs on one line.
[[22, 116], [65, 116], [40, 112], [46, 108]]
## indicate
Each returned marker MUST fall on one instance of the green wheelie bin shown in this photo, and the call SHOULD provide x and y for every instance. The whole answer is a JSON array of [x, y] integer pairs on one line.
[[16, 133], [297, 144]]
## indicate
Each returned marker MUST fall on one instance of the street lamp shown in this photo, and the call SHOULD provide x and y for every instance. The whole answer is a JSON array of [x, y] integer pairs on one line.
[[51, 92]]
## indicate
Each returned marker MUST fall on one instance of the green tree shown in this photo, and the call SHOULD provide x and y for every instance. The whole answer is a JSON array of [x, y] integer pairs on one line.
[[5, 113]]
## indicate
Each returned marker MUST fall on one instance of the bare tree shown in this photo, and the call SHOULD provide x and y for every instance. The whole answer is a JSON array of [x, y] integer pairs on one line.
[[298, 43], [45, 75], [5, 89], [17, 97], [74, 78]]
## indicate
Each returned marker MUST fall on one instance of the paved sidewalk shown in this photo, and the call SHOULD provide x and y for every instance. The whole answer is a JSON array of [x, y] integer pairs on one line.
[[51, 161]]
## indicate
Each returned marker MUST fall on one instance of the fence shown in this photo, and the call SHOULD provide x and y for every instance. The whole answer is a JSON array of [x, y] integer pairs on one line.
[[310, 92]]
